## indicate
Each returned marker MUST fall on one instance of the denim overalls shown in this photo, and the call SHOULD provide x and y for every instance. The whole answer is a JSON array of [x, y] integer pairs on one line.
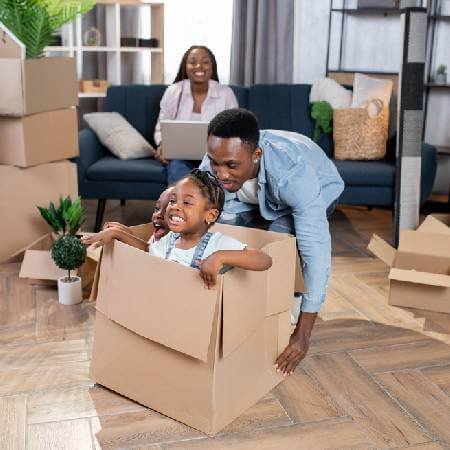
[[199, 250]]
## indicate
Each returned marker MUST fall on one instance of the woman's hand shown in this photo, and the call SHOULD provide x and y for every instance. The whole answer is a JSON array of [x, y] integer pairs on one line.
[[117, 225], [159, 155], [98, 239], [209, 268]]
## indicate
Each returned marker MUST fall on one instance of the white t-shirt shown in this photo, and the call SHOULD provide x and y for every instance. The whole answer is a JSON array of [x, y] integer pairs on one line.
[[218, 241], [248, 193]]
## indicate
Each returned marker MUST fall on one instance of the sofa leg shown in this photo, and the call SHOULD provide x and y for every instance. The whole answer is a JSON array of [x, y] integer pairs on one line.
[[99, 216], [369, 208], [122, 202]]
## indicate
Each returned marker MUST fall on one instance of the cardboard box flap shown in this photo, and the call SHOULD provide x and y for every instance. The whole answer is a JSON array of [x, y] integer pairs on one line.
[[382, 250], [414, 276], [282, 275], [171, 318], [38, 264], [430, 244], [10, 46], [433, 224], [243, 309]]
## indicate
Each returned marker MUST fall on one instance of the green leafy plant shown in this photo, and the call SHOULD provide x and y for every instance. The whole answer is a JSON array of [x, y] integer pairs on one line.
[[35, 22], [68, 253], [322, 113], [442, 69], [67, 218]]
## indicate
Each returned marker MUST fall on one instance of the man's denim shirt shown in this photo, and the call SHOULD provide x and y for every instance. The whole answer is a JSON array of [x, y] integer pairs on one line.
[[296, 177]]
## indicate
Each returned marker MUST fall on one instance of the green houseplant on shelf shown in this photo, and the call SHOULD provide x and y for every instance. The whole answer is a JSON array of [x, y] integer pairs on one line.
[[441, 75], [35, 22], [67, 251]]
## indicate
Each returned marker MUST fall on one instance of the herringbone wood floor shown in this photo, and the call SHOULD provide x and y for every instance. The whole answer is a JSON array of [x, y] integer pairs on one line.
[[376, 376]]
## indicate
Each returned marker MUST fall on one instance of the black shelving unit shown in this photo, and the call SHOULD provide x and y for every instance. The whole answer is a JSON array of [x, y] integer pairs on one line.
[[434, 17], [382, 12]]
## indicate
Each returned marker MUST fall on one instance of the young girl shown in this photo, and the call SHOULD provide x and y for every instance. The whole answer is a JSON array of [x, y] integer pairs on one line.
[[116, 230], [194, 205]]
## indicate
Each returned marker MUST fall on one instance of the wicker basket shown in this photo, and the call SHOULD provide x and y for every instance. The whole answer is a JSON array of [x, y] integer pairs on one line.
[[358, 136]]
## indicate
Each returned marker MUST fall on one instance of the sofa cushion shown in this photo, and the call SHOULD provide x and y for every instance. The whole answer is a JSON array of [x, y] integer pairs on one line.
[[110, 168], [366, 173], [139, 104]]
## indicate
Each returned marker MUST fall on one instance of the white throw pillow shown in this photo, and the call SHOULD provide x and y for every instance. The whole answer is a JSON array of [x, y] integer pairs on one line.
[[118, 136], [367, 88], [329, 90]]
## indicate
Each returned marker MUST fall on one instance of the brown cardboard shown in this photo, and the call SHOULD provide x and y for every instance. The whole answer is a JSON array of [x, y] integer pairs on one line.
[[420, 268], [38, 264], [29, 86], [436, 223], [199, 356], [20, 191], [39, 138]]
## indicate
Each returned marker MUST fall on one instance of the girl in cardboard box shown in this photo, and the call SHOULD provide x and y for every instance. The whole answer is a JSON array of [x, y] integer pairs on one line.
[[193, 205]]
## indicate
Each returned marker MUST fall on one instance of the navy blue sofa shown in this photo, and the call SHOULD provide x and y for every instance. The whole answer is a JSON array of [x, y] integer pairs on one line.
[[102, 176]]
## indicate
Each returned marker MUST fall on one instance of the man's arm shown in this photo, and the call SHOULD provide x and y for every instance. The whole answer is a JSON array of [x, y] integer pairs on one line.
[[303, 194]]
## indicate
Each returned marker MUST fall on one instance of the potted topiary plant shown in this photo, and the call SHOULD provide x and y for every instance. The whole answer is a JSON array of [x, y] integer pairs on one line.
[[67, 251], [441, 75]]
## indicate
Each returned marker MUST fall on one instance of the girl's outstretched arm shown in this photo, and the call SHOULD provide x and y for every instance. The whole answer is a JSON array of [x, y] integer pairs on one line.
[[109, 234]]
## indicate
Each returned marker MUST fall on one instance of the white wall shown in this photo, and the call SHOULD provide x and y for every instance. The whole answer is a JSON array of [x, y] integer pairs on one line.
[[202, 22], [370, 43]]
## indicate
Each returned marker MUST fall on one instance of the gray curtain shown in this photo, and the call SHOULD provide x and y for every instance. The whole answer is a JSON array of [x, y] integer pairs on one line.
[[262, 48]]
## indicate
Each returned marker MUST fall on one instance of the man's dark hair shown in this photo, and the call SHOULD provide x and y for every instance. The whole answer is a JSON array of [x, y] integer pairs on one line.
[[210, 187], [182, 75], [236, 122]]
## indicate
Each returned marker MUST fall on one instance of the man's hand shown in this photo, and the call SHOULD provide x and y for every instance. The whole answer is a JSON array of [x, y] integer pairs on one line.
[[209, 268], [160, 157], [292, 355], [298, 344]]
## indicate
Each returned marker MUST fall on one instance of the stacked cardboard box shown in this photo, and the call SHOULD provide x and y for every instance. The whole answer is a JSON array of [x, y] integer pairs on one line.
[[38, 132], [420, 267]]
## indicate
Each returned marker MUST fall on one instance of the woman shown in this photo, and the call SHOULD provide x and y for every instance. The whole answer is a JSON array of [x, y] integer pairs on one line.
[[195, 94]]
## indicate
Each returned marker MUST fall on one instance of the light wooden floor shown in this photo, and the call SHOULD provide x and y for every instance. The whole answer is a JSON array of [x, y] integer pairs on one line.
[[376, 376]]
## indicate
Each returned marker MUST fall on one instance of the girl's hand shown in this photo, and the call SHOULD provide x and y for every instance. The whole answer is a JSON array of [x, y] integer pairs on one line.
[[117, 225], [98, 239], [159, 155], [209, 268]]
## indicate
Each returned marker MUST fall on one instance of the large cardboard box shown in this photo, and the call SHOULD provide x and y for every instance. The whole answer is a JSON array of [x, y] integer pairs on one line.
[[420, 268], [39, 138], [29, 86], [199, 356], [20, 191]]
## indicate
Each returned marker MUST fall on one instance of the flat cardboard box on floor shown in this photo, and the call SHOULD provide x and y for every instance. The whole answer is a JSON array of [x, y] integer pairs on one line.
[[199, 356], [420, 268], [39, 138], [29, 86], [38, 265], [20, 191]]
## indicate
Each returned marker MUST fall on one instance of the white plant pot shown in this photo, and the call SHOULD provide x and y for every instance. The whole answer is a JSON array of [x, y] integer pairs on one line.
[[70, 293], [441, 78]]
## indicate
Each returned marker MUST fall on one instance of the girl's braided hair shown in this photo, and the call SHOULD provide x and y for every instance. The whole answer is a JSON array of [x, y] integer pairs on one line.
[[210, 187]]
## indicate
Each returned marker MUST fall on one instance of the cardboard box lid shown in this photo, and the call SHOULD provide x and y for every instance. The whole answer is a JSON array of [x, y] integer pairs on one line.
[[38, 264], [436, 223], [422, 243], [382, 250], [170, 315], [10, 46], [415, 276]]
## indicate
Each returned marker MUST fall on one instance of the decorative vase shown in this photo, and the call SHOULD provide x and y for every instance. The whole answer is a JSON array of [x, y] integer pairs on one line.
[[69, 292], [441, 78]]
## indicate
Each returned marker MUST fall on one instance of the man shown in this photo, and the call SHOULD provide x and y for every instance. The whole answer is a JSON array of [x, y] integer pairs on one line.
[[284, 182]]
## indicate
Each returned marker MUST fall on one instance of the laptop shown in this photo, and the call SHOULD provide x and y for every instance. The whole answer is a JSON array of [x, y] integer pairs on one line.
[[183, 139]]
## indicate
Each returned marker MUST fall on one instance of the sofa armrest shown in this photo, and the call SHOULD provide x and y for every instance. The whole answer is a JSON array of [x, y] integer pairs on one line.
[[429, 167], [91, 150]]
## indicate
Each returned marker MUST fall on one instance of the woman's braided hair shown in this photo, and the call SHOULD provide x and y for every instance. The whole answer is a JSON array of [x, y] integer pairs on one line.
[[210, 187]]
